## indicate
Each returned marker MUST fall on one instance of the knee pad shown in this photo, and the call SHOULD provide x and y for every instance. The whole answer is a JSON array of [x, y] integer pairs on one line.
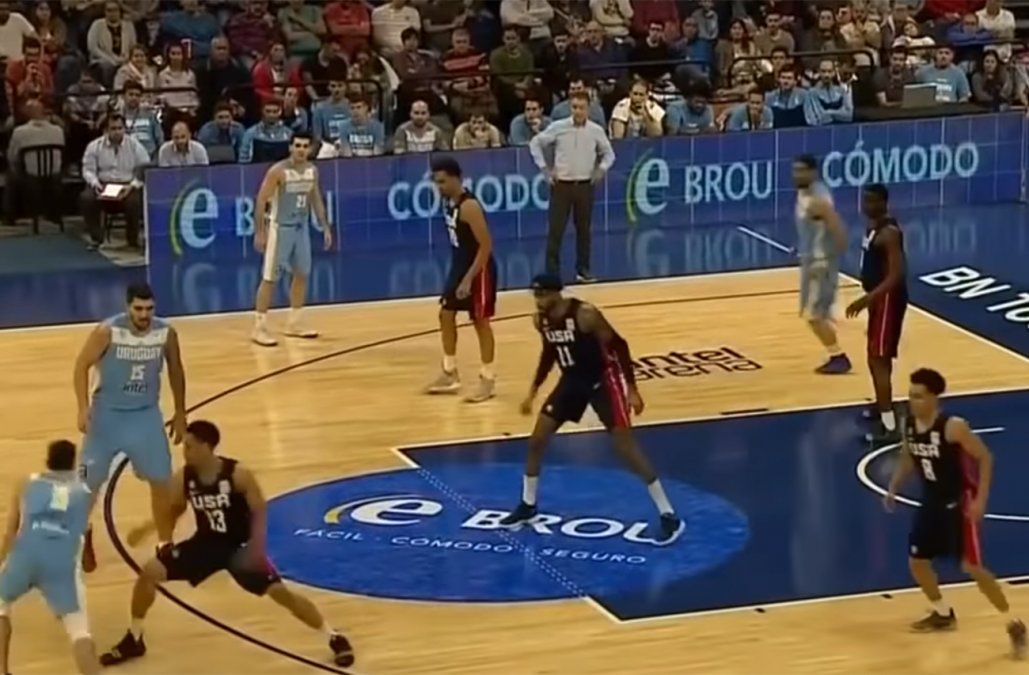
[[76, 625]]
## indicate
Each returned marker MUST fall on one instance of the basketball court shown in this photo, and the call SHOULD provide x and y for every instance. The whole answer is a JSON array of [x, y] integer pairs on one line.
[[383, 502]]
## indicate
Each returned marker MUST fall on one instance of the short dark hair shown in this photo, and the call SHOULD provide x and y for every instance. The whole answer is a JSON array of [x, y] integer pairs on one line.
[[579, 95], [779, 49], [447, 165], [223, 106], [60, 455], [930, 379], [879, 190], [354, 99], [408, 33], [205, 432], [807, 160], [302, 136], [272, 101], [899, 49], [133, 85], [138, 290], [114, 117]]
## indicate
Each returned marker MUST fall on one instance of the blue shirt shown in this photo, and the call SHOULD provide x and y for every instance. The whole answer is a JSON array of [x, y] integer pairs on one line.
[[812, 236], [130, 368], [299, 121], [521, 133], [329, 118], [201, 29], [606, 64], [680, 118], [825, 105], [211, 135], [55, 514], [273, 141], [142, 124], [563, 110], [699, 52], [788, 110], [362, 140], [951, 82], [291, 206], [739, 119]]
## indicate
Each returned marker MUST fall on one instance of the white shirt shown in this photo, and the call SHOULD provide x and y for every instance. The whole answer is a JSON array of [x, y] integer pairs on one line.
[[1002, 26], [388, 23], [634, 121], [12, 36]]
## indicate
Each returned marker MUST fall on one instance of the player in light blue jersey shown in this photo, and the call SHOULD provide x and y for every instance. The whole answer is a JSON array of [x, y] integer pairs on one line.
[[126, 353], [821, 244], [288, 194], [45, 525]]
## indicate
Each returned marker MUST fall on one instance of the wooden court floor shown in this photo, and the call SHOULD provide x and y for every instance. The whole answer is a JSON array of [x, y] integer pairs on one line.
[[343, 414]]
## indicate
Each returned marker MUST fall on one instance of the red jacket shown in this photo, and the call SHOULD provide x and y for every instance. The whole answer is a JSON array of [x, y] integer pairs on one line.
[[644, 12], [936, 9], [266, 86]]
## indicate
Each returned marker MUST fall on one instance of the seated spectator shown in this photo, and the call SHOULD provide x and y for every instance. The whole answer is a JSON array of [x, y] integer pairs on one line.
[[780, 59], [738, 46], [706, 19], [469, 87], [773, 35], [113, 159], [966, 38], [647, 12], [315, 69], [525, 126], [110, 40], [14, 29], [889, 82], [477, 132], [182, 150], [389, 22], [269, 139], [223, 135], [743, 83], [138, 70], [652, 48], [603, 60], [827, 101], [558, 61], [752, 115], [222, 77], [918, 46], [787, 102], [613, 16], [690, 116], [894, 18], [439, 20], [140, 120], [1001, 24], [350, 24], [52, 32], [84, 105], [302, 26], [184, 102], [637, 115], [137, 11], [511, 66], [992, 83], [31, 77], [483, 24], [37, 131], [532, 17], [294, 115], [563, 110], [330, 114], [417, 69], [194, 23], [272, 74], [360, 136], [859, 32], [419, 134], [367, 77], [695, 50], [951, 82], [824, 37], [251, 32]]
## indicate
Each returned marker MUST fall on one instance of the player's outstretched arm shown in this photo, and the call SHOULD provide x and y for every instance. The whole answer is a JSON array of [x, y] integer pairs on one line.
[[958, 431], [13, 522], [177, 380], [93, 349]]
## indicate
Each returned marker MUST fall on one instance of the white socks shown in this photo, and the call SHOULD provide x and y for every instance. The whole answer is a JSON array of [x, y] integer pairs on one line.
[[941, 608], [889, 420], [834, 350], [657, 493], [529, 485], [136, 628], [261, 319], [294, 315], [449, 363], [486, 372]]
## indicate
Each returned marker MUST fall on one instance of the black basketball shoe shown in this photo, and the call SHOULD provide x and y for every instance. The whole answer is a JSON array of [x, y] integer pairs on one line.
[[129, 648], [935, 622], [342, 652], [672, 526], [520, 515]]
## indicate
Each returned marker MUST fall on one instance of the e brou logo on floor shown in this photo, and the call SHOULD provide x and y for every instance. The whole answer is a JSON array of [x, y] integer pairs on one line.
[[691, 364]]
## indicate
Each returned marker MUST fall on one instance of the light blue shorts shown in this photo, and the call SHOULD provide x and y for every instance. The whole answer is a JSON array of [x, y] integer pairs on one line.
[[288, 251], [818, 285], [140, 434], [55, 574]]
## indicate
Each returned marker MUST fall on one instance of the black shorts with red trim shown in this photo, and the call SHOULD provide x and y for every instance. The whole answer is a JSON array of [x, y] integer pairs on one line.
[[197, 558], [885, 323], [481, 302], [944, 531], [606, 395]]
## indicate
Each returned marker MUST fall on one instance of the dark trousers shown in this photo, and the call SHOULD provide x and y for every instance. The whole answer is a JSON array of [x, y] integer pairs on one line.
[[131, 206], [576, 198]]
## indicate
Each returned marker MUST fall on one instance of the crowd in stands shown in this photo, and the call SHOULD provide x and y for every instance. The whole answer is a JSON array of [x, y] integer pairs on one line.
[[198, 82]]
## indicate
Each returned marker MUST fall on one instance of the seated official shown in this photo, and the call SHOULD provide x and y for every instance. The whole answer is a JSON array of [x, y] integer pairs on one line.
[[693, 115], [112, 160], [222, 136], [827, 101], [182, 150]]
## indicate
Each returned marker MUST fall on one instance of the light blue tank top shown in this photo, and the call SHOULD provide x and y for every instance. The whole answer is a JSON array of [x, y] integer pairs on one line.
[[292, 206], [812, 235], [55, 513], [130, 370]]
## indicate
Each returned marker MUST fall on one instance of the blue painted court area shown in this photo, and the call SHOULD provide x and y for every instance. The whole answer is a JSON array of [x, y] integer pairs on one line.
[[775, 510]]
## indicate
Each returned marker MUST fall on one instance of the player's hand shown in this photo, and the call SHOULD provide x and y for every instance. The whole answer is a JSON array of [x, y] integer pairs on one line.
[[526, 406], [977, 509], [636, 401], [178, 428], [260, 239], [83, 421], [889, 502], [464, 289], [255, 558], [327, 236], [551, 178], [856, 307]]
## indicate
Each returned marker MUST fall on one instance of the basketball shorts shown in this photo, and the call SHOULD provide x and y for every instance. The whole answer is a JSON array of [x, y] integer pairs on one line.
[[56, 575], [288, 251], [942, 532], [885, 322], [818, 285], [197, 558], [140, 434], [606, 396], [481, 303]]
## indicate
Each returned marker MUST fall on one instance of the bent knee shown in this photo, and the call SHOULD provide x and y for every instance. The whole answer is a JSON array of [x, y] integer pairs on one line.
[[153, 572]]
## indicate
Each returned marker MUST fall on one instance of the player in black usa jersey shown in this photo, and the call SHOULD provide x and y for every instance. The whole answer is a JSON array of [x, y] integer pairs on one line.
[[231, 522], [955, 468], [596, 371]]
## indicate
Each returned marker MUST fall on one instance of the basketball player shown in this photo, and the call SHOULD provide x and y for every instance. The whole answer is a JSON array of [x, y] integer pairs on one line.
[[821, 243], [596, 370], [956, 469], [883, 278], [291, 190], [471, 285], [231, 519], [128, 352], [45, 524]]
